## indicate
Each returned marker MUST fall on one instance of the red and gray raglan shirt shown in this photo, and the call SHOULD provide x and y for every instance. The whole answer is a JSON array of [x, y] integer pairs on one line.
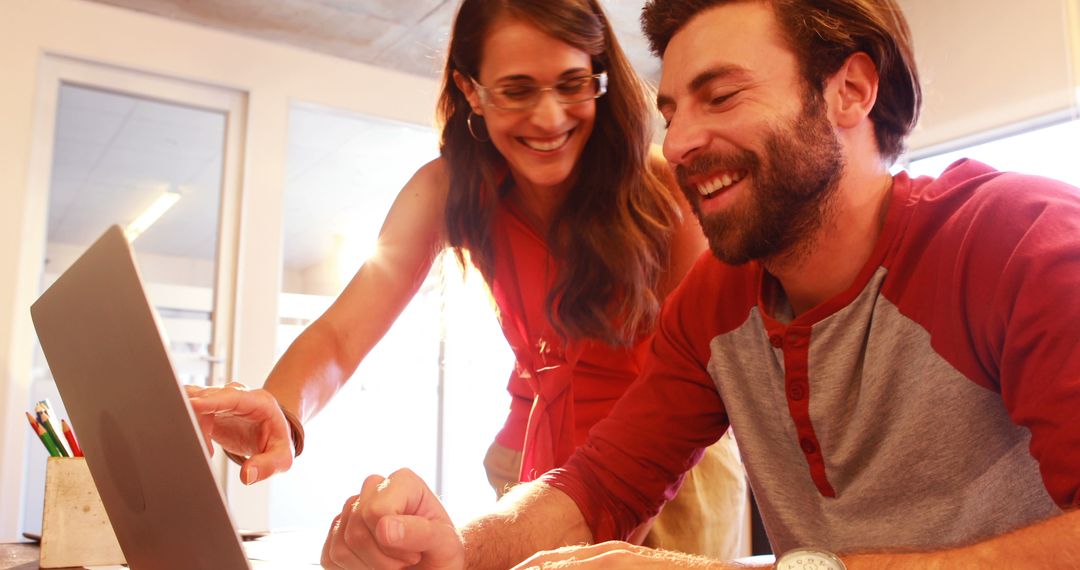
[[933, 403]]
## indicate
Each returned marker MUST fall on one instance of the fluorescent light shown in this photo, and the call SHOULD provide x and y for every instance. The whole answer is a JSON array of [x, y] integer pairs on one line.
[[151, 214]]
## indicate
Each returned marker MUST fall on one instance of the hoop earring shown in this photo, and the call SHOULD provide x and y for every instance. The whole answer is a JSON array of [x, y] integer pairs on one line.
[[472, 131]]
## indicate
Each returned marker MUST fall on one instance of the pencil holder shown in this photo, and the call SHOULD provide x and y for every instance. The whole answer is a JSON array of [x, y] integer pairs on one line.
[[75, 530]]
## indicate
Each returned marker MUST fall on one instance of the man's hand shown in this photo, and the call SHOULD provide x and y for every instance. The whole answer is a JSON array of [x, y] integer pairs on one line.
[[616, 554], [246, 422], [395, 522]]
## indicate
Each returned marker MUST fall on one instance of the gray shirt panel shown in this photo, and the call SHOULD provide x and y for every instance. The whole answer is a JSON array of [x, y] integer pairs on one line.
[[919, 456]]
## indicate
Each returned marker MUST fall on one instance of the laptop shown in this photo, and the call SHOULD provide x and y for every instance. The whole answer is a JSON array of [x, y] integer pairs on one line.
[[101, 338]]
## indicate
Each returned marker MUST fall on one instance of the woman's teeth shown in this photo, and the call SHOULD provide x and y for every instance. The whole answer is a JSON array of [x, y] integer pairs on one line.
[[546, 145], [720, 182]]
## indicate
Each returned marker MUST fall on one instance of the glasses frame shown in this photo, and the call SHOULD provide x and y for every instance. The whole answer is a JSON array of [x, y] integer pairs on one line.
[[487, 101]]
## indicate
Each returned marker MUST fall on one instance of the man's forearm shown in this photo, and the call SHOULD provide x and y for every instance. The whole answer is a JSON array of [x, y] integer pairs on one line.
[[531, 517], [1050, 544]]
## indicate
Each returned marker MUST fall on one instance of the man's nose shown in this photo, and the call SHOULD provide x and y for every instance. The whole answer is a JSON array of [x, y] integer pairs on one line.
[[684, 138]]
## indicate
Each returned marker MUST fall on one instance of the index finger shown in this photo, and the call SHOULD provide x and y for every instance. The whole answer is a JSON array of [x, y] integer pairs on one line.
[[236, 402]]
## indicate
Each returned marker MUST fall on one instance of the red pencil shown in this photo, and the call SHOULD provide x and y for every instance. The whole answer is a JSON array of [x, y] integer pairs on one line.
[[70, 436]]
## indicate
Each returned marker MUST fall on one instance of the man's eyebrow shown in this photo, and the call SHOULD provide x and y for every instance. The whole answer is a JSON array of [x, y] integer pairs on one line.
[[721, 72], [702, 79]]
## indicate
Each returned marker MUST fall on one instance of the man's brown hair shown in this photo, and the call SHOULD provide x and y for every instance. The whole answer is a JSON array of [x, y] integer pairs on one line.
[[823, 34]]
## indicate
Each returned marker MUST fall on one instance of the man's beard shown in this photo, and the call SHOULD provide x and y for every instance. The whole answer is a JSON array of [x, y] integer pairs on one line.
[[789, 194]]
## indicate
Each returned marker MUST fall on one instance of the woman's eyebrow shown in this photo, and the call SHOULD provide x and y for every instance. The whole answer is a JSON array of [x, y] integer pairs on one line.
[[520, 77], [516, 77], [575, 71]]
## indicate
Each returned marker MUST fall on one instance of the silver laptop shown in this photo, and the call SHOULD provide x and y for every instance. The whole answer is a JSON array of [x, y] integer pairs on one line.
[[101, 338]]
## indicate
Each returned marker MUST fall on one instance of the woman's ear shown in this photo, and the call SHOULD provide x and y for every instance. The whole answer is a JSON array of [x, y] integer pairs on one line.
[[854, 90], [466, 86]]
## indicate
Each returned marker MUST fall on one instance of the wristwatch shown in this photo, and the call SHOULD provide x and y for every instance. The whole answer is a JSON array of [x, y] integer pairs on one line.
[[809, 559]]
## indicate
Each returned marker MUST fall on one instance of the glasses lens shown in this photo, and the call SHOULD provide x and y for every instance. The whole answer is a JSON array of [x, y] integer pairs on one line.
[[525, 96], [577, 89], [515, 96]]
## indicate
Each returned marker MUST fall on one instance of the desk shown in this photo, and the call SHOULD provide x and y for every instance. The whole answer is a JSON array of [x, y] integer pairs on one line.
[[24, 556], [279, 551], [19, 556]]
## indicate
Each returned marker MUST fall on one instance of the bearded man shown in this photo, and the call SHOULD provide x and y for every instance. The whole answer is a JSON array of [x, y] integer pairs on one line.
[[897, 356]]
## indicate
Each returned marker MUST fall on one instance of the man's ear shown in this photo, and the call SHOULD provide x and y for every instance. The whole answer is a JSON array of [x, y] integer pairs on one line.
[[852, 91], [466, 86]]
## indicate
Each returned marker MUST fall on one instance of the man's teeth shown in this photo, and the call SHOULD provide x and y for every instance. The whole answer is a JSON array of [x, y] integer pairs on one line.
[[546, 144], [722, 181]]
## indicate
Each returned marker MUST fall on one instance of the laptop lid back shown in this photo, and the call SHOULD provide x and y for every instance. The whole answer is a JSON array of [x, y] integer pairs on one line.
[[101, 338]]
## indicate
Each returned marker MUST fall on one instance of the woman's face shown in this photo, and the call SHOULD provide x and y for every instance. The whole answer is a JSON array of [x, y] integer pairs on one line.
[[542, 143]]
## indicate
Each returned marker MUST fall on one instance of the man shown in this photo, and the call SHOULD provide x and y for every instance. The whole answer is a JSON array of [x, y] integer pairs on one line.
[[898, 357]]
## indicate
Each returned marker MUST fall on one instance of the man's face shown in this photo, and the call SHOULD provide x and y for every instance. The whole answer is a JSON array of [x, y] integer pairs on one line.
[[752, 145]]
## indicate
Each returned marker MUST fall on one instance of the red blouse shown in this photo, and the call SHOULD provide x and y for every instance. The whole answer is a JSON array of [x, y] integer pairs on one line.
[[559, 390]]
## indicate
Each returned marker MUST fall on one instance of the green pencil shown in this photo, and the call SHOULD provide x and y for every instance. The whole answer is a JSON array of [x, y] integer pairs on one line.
[[49, 445], [43, 419]]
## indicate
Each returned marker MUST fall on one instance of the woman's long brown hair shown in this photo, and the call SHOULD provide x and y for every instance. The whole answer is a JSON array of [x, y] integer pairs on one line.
[[611, 236]]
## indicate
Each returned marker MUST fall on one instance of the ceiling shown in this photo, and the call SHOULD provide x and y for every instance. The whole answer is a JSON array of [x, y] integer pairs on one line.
[[116, 153], [409, 36]]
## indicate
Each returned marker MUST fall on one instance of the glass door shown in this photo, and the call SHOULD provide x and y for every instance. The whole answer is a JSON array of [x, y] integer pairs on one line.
[[159, 157]]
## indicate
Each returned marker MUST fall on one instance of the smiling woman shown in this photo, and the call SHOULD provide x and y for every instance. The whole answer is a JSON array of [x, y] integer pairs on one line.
[[539, 136]]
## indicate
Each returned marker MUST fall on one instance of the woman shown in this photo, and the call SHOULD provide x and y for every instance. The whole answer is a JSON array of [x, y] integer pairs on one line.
[[546, 183]]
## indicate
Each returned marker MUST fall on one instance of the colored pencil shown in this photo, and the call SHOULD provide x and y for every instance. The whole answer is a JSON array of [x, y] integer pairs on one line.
[[43, 420], [50, 425], [70, 435], [41, 433]]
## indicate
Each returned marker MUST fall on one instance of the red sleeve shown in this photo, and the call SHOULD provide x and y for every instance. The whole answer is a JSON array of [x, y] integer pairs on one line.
[[1035, 326], [634, 460], [1008, 302]]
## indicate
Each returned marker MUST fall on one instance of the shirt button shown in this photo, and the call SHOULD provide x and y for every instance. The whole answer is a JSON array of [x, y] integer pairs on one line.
[[776, 340], [807, 445], [797, 391]]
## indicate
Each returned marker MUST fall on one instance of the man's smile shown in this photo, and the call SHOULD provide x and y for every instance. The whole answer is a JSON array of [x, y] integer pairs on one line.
[[719, 181]]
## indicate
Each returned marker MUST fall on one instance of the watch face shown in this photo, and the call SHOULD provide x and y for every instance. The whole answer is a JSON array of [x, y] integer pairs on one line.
[[809, 559]]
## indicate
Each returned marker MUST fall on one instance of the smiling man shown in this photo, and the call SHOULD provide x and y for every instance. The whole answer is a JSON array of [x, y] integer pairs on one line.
[[897, 356]]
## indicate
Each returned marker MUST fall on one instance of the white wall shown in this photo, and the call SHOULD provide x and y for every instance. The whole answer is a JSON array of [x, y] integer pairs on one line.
[[989, 65], [271, 75]]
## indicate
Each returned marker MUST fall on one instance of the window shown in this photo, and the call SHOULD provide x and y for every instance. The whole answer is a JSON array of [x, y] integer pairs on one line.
[[1048, 151], [431, 395], [122, 143]]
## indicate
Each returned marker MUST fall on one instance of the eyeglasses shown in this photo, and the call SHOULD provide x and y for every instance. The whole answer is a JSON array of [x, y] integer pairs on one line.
[[518, 97]]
